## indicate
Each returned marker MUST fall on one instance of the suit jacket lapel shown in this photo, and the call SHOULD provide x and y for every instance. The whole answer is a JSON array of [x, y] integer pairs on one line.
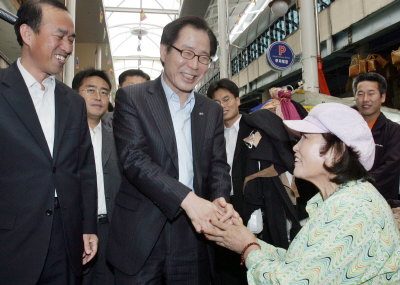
[[17, 95], [62, 104], [198, 124], [106, 143], [160, 111], [238, 156]]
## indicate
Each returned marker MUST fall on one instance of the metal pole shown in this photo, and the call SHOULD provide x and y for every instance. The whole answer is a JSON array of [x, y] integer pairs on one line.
[[69, 69], [308, 33], [223, 40], [317, 27]]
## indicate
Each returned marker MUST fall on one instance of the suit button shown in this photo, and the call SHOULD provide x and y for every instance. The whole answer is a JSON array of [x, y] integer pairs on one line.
[[49, 212], [54, 169]]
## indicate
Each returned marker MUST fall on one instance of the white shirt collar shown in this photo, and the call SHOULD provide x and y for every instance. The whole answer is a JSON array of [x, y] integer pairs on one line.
[[235, 125], [28, 78], [97, 128], [170, 94]]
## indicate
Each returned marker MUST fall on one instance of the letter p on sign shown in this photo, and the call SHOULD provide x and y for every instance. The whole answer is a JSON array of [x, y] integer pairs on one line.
[[281, 50]]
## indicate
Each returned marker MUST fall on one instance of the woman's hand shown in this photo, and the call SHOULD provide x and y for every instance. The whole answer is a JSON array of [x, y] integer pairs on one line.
[[233, 236]]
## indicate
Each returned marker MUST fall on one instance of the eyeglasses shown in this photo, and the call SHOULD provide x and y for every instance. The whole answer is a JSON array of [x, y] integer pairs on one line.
[[188, 54], [224, 100], [91, 91]]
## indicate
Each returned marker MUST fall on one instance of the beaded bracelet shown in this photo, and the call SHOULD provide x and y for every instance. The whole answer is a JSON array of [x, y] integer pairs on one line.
[[244, 250]]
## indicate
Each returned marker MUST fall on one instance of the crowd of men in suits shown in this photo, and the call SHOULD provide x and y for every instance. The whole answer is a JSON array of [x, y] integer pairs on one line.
[[86, 199]]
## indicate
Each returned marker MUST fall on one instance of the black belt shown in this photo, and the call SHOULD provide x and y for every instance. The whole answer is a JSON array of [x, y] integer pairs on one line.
[[102, 219]]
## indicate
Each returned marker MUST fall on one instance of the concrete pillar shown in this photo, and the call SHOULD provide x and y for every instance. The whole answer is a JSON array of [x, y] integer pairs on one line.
[[308, 34], [223, 39], [98, 57], [69, 69]]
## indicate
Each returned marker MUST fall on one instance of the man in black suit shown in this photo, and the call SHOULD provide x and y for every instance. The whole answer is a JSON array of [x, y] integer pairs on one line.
[[226, 93], [171, 145], [48, 182], [95, 86]]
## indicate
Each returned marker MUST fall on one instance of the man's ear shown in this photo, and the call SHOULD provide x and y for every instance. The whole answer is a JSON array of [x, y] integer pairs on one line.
[[383, 98], [163, 52], [237, 100], [27, 34]]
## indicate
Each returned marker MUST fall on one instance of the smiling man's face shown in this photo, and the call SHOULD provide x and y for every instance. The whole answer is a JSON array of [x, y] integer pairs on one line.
[[96, 104], [369, 99], [182, 74]]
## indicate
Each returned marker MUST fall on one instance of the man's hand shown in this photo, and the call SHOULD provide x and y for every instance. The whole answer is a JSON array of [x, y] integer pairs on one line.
[[90, 244], [227, 210], [200, 211]]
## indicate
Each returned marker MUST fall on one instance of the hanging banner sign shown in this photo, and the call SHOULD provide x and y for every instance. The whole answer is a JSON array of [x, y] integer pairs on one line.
[[280, 56]]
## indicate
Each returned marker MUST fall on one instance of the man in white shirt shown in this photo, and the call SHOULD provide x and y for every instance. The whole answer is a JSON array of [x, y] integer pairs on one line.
[[48, 194], [95, 86]]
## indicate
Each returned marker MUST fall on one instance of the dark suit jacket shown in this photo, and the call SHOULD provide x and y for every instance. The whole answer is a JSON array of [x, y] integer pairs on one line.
[[239, 165], [29, 175], [150, 192], [386, 168], [111, 167]]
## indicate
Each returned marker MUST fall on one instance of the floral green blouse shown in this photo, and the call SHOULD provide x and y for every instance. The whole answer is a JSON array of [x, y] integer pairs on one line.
[[350, 238]]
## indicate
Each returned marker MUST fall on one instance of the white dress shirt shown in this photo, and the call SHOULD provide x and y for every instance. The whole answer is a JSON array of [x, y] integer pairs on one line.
[[44, 103], [43, 100], [181, 121], [96, 136], [231, 135]]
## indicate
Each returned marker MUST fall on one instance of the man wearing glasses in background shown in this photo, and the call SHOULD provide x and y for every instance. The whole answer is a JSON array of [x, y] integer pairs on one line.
[[171, 144], [95, 86]]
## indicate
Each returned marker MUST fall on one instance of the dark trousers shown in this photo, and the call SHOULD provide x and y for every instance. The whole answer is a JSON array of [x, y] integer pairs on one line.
[[228, 269], [56, 270], [180, 257], [98, 271]]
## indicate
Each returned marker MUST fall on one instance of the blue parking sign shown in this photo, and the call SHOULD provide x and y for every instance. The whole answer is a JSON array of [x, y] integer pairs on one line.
[[280, 56]]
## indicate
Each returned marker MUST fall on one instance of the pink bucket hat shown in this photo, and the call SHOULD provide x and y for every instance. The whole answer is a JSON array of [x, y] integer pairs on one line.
[[342, 121]]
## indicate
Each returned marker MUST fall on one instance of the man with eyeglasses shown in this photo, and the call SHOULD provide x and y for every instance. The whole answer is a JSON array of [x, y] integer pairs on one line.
[[95, 86], [226, 94], [176, 180]]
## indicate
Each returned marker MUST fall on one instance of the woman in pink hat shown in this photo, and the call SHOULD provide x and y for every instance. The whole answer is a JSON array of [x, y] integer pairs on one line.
[[350, 236]]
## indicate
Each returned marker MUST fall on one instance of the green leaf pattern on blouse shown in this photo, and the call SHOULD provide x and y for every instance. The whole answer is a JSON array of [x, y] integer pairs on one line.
[[350, 238]]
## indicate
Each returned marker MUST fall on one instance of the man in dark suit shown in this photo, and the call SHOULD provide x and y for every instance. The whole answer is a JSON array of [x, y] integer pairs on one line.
[[95, 86], [48, 183], [226, 93], [171, 146]]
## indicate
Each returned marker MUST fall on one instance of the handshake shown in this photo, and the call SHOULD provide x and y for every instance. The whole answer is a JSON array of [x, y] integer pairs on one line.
[[219, 222], [203, 212]]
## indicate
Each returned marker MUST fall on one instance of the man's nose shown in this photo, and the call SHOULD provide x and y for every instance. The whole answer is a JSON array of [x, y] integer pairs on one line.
[[97, 96], [194, 62], [67, 46], [365, 98]]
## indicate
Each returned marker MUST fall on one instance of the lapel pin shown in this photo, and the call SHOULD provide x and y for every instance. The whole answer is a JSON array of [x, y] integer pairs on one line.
[[201, 113]]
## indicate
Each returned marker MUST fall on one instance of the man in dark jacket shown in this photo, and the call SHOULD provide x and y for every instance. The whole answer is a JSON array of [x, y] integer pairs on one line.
[[259, 152], [94, 86], [48, 193], [370, 93]]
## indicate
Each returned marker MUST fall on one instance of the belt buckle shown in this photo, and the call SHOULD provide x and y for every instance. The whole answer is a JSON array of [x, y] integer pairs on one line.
[[102, 219]]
